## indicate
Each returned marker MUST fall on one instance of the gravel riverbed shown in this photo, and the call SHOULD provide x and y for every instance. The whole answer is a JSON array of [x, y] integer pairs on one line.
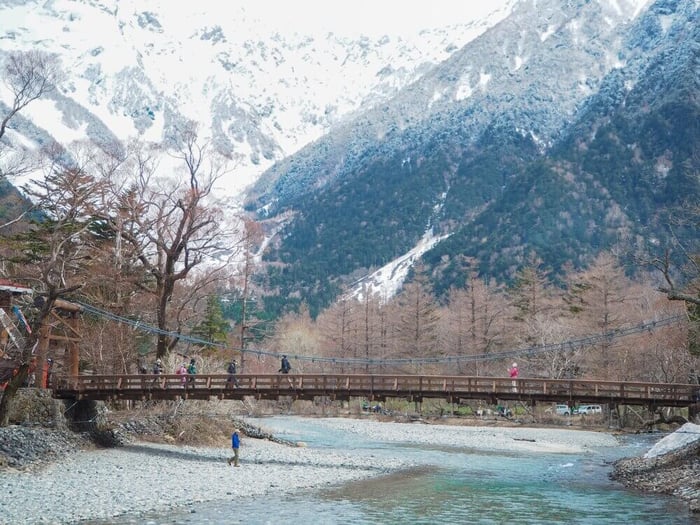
[[46, 480], [50, 475]]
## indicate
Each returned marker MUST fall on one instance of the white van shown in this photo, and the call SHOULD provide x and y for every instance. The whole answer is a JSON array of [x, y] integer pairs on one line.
[[562, 410], [589, 409]]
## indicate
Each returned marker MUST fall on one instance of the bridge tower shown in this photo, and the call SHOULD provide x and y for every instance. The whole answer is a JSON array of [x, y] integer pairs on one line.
[[64, 329]]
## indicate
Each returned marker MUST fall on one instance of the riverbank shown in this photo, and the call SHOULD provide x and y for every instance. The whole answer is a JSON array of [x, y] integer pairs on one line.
[[141, 477], [98, 484], [671, 467]]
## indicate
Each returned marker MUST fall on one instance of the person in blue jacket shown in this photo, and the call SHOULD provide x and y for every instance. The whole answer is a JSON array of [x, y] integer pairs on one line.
[[235, 445]]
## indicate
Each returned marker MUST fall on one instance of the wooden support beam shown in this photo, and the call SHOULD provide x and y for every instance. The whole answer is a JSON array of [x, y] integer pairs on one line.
[[61, 304]]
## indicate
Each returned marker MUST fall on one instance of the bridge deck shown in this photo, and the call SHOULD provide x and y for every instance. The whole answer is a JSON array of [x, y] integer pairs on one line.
[[374, 387]]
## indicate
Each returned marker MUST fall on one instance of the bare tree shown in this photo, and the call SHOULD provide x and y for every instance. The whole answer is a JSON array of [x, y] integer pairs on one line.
[[476, 318], [659, 355], [339, 326], [252, 237], [533, 300], [418, 321], [689, 292], [372, 329], [606, 298], [172, 227], [28, 75], [678, 262], [296, 334], [530, 294]]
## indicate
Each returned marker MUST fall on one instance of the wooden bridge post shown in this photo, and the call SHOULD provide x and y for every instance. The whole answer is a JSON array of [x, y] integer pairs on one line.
[[73, 348], [612, 412], [42, 352]]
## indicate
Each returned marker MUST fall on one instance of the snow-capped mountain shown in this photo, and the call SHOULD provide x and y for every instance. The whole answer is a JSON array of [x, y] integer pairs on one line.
[[534, 68], [262, 81], [564, 130], [558, 128]]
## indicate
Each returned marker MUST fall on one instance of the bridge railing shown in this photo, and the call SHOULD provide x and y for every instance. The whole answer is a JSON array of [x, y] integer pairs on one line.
[[384, 385]]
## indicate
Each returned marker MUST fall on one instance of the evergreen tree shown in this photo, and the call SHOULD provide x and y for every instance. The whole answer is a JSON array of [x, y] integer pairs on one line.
[[214, 327]]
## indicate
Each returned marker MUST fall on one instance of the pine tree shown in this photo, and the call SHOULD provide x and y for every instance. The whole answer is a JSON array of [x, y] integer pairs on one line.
[[213, 328]]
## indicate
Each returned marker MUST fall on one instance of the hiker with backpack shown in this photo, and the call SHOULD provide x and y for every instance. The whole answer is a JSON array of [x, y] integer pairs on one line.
[[232, 381], [285, 367], [191, 371]]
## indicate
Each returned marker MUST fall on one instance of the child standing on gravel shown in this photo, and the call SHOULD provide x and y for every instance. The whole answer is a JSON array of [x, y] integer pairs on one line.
[[235, 445]]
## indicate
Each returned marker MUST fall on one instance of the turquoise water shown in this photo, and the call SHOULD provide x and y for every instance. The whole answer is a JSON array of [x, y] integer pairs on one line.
[[453, 486]]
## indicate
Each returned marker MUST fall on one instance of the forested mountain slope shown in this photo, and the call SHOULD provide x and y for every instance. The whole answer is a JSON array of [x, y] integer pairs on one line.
[[589, 142]]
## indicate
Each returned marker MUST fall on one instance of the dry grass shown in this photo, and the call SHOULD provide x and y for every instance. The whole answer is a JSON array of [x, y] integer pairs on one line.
[[209, 423]]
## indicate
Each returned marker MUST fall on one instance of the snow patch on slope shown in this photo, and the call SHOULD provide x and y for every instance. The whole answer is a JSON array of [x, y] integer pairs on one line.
[[387, 281]]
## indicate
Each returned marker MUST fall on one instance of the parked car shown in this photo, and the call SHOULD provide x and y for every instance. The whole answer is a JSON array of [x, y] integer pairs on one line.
[[588, 409], [562, 410]]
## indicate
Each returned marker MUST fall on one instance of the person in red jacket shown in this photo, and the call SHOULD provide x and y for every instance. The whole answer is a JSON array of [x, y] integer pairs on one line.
[[513, 371], [182, 371]]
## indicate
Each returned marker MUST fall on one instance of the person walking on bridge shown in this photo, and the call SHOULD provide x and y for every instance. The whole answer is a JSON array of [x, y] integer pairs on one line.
[[192, 371], [157, 371], [232, 382], [285, 366], [182, 372], [513, 371]]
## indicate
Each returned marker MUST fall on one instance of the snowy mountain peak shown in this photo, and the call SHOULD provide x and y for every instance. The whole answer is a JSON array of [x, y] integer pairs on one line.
[[261, 79]]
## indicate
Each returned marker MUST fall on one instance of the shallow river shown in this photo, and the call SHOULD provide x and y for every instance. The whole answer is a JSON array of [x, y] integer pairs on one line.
[[451, 486]]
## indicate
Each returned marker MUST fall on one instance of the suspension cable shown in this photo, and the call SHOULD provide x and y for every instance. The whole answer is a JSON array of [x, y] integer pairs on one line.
[[565, 346]]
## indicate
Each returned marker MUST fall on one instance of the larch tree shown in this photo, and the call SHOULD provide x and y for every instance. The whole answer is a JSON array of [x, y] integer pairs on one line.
[[252, 238], [530, 293], [476, 316], [338, 327], [606, 302], [417, 325], [534, 304], [372, 331]]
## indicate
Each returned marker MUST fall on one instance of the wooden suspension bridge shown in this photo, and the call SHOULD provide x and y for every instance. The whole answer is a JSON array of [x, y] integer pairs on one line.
[[454, 389]]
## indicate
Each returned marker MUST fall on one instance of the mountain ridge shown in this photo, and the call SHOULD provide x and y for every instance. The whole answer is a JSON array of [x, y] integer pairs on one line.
[[512, 187], [460, 84], [559, 128]]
